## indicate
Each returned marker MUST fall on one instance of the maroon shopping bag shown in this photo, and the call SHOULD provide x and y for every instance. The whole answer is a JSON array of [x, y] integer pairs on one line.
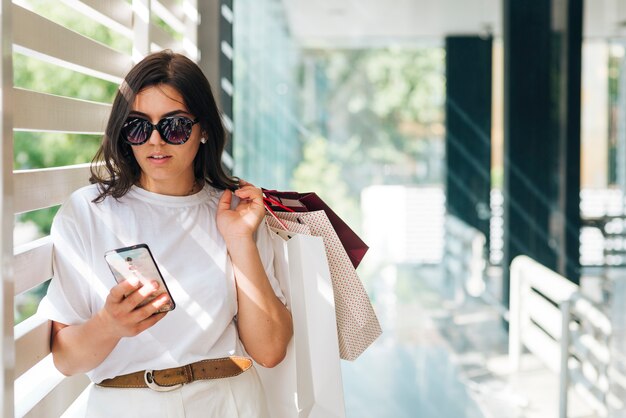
[[281, 201]]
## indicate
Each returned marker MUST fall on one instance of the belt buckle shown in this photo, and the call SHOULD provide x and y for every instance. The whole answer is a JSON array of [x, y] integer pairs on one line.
[[148, 377]]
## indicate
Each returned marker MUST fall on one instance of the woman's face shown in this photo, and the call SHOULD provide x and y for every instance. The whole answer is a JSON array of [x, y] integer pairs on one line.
[[165, 168]]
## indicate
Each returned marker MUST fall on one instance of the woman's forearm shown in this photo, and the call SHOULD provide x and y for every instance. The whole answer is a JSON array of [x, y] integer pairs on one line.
[[265, 325], [81, 348]]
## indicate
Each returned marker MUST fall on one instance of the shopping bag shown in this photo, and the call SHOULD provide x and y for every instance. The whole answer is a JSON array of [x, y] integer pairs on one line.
[[310, 201], [307, 383], [356, 321]]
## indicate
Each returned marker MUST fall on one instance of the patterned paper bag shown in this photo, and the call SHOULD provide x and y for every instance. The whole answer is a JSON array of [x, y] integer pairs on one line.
[[357, 324]]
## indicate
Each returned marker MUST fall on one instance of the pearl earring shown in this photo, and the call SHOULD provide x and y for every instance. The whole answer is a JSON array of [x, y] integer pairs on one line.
[[203, 140]]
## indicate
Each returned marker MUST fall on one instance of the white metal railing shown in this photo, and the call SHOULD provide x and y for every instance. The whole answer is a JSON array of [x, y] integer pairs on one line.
[[586, 356], [30, 384], [565, 330]]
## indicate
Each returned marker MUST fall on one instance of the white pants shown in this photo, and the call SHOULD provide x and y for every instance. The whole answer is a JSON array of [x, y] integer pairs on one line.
[[233, 397]]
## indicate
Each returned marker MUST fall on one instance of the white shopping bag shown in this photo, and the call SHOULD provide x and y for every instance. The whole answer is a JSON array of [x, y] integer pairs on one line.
[[307, 383], [357, 324]]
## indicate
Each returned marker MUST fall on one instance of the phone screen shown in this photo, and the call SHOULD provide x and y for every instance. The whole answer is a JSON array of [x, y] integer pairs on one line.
[[136, 263]]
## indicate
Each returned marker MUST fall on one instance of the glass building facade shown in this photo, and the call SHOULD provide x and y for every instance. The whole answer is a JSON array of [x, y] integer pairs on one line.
[[266, 143]]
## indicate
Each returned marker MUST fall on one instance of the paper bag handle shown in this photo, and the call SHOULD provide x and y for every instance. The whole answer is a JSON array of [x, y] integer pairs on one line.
[[266, 203]]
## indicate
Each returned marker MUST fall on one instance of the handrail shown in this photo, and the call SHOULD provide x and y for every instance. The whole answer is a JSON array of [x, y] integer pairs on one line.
[[526, 275], [562, 328]]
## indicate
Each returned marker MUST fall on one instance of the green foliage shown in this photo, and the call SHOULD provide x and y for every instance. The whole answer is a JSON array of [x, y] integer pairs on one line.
[[318, 172], [50, 149], [381, 119], [64, 15], [26, 304], [385, 114], [30, 73]]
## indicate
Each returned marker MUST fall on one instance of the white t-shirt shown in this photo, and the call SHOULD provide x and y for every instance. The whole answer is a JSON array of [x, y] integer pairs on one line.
[[183, 237]]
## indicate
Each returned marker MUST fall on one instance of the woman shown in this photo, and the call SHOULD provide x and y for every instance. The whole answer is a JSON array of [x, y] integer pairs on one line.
[[158, 179]]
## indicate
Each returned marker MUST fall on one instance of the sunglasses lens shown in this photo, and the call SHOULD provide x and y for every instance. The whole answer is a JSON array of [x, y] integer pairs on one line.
[[176, 130], [136, 131]]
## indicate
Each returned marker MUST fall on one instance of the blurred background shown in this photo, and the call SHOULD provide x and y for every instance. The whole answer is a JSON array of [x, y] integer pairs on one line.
[[453, 136]]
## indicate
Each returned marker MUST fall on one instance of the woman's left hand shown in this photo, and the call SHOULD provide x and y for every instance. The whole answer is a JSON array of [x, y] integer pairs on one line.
[[242, 221]]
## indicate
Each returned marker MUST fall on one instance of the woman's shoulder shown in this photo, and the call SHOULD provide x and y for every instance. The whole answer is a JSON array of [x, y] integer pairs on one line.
[[79, 201], [75, 208], [83, 195]]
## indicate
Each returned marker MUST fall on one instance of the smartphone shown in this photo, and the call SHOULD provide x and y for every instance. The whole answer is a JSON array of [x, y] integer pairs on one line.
[[136, 263]]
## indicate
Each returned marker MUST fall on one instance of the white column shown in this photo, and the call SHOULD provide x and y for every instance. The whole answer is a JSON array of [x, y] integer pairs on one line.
[[594, 116], [7, 348]]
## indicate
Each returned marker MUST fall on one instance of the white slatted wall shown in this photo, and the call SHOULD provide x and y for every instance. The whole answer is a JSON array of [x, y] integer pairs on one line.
[[30, 384]]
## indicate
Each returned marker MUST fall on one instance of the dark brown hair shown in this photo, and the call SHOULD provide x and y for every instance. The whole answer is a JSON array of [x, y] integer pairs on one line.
[[114, 167]]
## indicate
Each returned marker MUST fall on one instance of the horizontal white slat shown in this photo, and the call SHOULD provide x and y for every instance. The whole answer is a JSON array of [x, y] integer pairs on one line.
[[60, 398], [586, 389], [544, 347], [584, 308], [163, 39], [40, 37], [545, 314], [170, 12], [43, 392], [228, 14], [587, 347], [32, 343], [32, 264], [46, 112], [115, 14], [36, 189]]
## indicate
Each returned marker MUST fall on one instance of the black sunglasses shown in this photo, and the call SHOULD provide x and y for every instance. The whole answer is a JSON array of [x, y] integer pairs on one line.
[[174, 130]]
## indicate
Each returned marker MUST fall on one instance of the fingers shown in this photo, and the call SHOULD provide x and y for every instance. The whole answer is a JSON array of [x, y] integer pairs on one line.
[[141, 294], [225, 201], [249, 193], [124, 288], [122, 313], [150, 321], [153, 307]]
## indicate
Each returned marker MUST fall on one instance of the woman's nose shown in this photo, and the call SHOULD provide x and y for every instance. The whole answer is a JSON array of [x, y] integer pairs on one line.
[[155, 137]]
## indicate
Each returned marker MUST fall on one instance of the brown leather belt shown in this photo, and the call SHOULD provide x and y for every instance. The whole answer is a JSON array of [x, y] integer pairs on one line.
[[170, 379]]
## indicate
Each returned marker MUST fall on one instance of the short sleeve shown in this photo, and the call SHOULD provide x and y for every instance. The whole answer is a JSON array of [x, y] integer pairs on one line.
[[68, 297], [266, 252]]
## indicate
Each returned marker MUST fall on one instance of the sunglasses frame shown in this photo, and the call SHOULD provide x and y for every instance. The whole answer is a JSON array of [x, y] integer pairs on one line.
[[159, 128]]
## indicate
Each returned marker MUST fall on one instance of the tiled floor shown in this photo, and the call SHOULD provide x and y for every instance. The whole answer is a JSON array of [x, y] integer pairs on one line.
[[440, 360], [409, 370]]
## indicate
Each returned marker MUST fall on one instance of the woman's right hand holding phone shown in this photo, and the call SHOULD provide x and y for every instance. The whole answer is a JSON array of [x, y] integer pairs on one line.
[[122, 314], [81, 347]]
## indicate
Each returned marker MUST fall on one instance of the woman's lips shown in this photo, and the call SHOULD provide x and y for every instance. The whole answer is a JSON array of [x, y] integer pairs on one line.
[[159, 159]]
